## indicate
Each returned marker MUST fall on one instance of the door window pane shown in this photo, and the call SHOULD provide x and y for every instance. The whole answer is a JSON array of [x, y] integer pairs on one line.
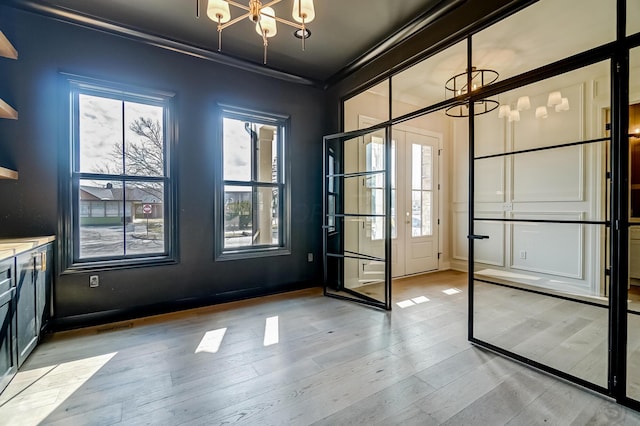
[[421, 186], [551, 304]]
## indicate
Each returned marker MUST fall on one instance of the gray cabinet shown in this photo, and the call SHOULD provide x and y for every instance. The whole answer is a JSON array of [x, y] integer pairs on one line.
[[33, 289], [8, 353]]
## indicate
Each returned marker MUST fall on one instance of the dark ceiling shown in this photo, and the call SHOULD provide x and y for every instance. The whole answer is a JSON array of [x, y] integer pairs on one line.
[[342, 31]]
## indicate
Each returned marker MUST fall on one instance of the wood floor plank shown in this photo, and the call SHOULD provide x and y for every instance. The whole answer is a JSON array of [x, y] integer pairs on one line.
[[393, 399]]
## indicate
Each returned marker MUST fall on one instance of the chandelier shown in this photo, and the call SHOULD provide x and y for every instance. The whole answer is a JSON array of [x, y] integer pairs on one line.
[[264, 17], [458, 85]]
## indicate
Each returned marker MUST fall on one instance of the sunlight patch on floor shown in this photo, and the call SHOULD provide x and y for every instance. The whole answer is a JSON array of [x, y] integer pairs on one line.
[[211, 341], [412, 302], [451, 291], [46, 393], [271, 331]]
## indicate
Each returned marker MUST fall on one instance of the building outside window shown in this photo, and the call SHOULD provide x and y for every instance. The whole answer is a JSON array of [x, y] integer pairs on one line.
[[253, 197], [119, 194]]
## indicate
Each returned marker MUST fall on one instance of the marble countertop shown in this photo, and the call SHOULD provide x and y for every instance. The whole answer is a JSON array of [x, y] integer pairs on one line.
[[10, 247]]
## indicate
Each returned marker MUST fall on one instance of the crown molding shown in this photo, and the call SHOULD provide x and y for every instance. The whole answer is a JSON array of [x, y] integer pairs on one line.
[[431, 15]]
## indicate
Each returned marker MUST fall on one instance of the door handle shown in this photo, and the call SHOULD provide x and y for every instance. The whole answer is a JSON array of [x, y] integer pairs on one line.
[[478, 237]]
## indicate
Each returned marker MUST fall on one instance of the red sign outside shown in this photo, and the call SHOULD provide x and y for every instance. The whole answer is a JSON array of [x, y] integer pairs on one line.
[[146, 208]]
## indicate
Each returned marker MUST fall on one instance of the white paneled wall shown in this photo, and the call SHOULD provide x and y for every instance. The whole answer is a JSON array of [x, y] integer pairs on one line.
[[557, 184]]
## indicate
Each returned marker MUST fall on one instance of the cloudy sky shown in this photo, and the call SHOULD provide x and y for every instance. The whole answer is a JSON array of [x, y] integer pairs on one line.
[[101, 126]]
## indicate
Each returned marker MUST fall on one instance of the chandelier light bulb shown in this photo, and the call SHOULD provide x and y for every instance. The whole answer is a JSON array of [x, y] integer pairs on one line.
[[504, 111], [303, 11], [514, 115], [541, 112], [218, 11], [267, 22], [523, 103], [563, 106], [555, 98]]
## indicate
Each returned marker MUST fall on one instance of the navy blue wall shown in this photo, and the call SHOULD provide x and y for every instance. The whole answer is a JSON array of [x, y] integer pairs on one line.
[[29, 206]]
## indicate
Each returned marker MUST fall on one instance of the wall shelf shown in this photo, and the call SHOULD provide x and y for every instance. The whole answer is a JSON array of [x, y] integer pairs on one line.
[[8, 174], [6, 111], [6, 48]]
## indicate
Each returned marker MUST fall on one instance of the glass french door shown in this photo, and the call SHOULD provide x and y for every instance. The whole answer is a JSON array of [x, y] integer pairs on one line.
[[356, 217], [538, 230]]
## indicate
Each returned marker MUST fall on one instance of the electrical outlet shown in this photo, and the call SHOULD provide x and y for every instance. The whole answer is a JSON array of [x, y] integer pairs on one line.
[[94, 281], [309, 257], [523, 254]]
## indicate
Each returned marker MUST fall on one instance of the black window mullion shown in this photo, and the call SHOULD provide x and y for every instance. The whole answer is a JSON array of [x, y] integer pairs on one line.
[[81, 86], [275, 183]]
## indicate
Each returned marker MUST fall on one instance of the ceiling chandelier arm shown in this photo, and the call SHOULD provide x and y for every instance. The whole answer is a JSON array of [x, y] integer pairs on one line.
[[233, 21], [284, 21], [240, 5], [271, 3]]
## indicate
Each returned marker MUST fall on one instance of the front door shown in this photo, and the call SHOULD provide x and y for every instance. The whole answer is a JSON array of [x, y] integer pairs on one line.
[[414, 202]]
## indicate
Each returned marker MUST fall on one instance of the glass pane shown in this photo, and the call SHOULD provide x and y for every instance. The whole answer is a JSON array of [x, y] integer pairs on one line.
[[521, 42], [423, 84], [367, 108], [519, 273], [267, 153], [634, 134], [361, 238], [547, 113], [238, 213], [394, 195], [251, 216], [267, 223], [633, 315], [633, 297], [364, 195], [100, 135], [237, 149], [144, 139], [422, 158], [570, 179], [365, 153], [360, 278], [144, 207], [633, 17], [101, 219]]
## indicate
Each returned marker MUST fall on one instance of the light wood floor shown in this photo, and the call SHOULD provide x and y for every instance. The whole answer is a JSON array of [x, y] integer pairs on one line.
[[334, 363]]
